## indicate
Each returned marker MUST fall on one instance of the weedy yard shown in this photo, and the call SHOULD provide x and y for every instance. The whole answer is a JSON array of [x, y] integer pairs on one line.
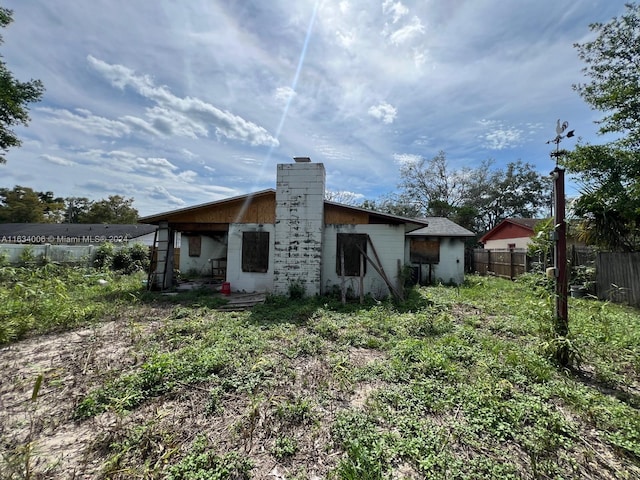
[[101, 379]]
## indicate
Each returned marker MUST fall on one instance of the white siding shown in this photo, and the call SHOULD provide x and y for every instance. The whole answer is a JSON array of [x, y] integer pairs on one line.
[[503, 244], [248, 281], [389, 243]]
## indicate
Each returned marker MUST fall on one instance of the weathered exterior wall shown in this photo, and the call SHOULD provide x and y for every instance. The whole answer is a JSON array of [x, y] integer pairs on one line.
[[506, 234], [248, 281], [81, 254], [450, 268], [389, 243], [298, 229], [503, 244], [210, 248]]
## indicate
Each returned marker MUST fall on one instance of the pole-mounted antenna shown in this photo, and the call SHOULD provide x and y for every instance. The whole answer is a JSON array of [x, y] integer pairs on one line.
[[561, 326]]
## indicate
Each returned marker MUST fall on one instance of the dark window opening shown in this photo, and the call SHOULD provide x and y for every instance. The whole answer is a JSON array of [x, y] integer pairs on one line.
[[351, 244], [195, 246], [422, 250], [255, 252]]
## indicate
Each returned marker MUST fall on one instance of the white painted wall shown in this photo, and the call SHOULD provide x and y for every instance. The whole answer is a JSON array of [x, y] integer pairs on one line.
[[503, 244], [450, 269], [211, 247], [83, 254], [248, 281], [299, 226], [389, 243]]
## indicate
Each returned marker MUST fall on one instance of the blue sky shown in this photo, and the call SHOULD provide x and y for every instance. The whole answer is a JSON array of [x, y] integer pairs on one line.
[[181, 103]]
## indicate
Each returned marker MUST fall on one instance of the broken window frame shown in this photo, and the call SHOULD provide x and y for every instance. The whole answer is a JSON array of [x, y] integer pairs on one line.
[[350, 243], [255, 252]]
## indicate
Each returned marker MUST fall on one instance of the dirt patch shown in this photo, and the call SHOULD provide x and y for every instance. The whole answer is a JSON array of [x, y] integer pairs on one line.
[[45, 435], [70, 364], [360, 357]]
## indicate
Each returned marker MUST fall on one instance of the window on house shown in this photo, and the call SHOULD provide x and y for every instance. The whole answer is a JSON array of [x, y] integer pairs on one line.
[[255, 252], [195, 245], [422, 250], [511, 246], [351, 243]]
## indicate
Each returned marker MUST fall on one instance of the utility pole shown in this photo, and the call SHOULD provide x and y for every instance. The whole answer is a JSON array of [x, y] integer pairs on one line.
[[561, 317]]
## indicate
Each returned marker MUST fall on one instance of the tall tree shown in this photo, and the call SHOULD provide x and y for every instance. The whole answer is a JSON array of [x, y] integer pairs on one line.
[[393, 204], [516, 191], [115, 209], [432, 187], [342, 196], [610, 174], [478, 198], [609, 204], [53, 207], [14, 98], [21, 205], [76, 207], [613, 67]]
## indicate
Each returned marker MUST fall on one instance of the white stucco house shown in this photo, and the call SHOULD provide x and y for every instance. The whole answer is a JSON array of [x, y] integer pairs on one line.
[[268, 240], [437, 252]]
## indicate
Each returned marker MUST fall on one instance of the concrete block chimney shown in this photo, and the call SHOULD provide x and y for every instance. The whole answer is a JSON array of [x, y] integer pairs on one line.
[[299, 224]]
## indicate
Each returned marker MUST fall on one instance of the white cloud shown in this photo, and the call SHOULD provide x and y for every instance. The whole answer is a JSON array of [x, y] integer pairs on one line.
[[284, 94], [407, 33], [383, 111], [422, 140], [159, 192], [86, 122], [499, 136], [141, 125], [57, 160], [346, 39], [186, 116], [171, 122], [396, 9], [188, 153], [406, 158], [188, 176]]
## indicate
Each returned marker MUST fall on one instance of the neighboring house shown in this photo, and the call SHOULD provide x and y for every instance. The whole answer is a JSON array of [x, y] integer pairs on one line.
[[437, 252], [270, 240], [510, 234], [75, 233]]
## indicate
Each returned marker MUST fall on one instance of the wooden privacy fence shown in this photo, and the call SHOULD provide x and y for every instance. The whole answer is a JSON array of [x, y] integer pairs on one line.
[[502, 263], [617, 274], [618, 277]]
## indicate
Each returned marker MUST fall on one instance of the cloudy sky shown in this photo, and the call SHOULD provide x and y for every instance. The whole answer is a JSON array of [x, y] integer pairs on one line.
[[176, 103]]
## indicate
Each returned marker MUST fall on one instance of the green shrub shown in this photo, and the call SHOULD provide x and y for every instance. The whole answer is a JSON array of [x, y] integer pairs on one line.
[[104, 256], [126, 259], [297, 290]]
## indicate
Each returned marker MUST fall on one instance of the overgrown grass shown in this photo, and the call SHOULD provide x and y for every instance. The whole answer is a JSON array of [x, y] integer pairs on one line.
[[42, 299], [455, 383]]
